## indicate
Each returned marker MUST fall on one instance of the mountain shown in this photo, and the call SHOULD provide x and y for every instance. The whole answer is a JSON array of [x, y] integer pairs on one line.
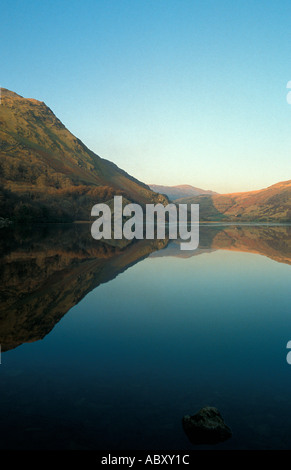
[[46, 173], [176, 192], [272, 204]]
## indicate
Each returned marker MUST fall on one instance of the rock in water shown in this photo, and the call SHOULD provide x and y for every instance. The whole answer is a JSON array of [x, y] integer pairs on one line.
[[206, 427]]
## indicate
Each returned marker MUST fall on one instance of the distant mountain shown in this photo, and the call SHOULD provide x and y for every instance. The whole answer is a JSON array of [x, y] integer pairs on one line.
[[46, 173], [272, 204], [176, 192]]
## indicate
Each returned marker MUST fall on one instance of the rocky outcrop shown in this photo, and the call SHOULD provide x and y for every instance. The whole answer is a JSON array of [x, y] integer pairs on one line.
[[206, 427]]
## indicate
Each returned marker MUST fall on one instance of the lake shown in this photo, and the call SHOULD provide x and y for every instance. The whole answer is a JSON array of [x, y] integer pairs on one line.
[[108, 346]]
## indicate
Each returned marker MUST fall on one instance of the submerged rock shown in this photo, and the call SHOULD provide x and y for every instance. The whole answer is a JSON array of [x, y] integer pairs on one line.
[[206, 427], [4, 222]]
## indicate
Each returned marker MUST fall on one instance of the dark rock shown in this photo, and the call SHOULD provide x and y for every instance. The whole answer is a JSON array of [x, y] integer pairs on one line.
[[206, 427], [4, 222]]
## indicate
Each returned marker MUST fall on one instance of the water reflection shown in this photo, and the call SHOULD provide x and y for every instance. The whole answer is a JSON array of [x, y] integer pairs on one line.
[[156, 343], [46, 270]]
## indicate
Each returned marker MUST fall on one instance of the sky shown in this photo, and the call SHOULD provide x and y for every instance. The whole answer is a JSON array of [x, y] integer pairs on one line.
[[173, 92]]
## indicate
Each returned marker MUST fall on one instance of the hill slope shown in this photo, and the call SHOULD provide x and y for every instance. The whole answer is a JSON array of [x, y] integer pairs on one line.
[[271, 204], [179, 191], [48, 173]]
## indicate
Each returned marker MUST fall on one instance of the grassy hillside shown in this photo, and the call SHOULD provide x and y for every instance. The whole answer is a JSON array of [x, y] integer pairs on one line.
[[46, 173], [272, 204]]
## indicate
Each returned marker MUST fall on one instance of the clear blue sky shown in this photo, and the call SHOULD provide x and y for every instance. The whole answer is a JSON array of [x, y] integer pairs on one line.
[[174, 92]]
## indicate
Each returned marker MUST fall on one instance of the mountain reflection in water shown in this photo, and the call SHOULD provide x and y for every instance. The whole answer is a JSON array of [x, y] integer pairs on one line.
[[46, 270], [109, 345]]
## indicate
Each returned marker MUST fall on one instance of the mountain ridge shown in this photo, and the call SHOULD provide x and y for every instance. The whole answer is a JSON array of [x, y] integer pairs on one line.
[[180, 190], [47, 173], [270, 204]]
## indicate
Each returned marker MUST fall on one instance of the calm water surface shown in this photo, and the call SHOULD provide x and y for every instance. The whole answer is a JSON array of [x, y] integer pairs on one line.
[[108, 348]]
